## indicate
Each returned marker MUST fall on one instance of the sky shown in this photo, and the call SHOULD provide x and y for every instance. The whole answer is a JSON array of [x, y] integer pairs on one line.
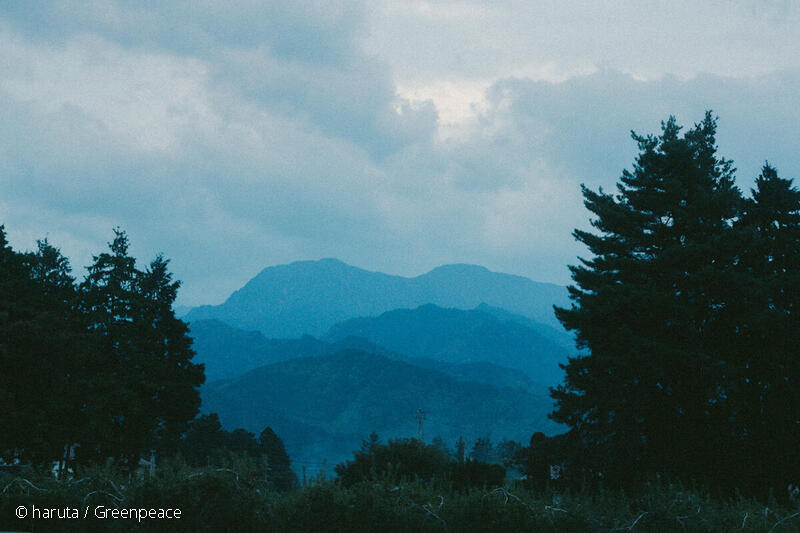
[[395, 136]]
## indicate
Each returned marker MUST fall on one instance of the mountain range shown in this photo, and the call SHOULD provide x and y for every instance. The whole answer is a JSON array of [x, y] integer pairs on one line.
[[477, 350], [457, 336], [324, 406], [309, 297], [228, 352]]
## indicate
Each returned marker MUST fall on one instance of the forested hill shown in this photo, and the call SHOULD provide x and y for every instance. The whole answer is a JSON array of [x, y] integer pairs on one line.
[[323, 407], [228, 352], [308, 297], [457, 336]]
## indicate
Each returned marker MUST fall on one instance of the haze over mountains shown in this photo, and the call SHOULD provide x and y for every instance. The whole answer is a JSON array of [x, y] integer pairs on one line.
[[456, 336], [446, 338], [324, 406], [229, 352], [308, 297], [475, 349]]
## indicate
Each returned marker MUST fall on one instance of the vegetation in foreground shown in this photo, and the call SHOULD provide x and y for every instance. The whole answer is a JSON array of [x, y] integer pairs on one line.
[[231, 499]]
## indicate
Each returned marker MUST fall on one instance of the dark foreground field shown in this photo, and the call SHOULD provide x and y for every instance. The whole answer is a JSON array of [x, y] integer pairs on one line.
[[224, 500]]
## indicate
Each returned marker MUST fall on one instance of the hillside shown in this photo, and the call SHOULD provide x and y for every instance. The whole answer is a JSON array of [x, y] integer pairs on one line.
[[229, 352], [323, 407], [457, 336], [308, 297]]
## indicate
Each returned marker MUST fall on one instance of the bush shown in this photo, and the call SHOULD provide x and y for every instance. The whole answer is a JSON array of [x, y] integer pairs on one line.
[[223, 500], [474, 474]]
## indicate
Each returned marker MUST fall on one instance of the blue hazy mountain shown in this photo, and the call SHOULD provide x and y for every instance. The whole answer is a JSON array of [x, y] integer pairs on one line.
[[308, 297], [323, 407], [458, 336], [555, 334], [228, 352]]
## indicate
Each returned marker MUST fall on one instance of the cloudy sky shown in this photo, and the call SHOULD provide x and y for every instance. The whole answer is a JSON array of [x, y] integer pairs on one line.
[[396, 135]]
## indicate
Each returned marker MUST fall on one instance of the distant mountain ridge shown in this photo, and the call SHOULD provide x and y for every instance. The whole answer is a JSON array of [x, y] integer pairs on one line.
[[229, 352], [464, 336], [308, 297], [323, 407]]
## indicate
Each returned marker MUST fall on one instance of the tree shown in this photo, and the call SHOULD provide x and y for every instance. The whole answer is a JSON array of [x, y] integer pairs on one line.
[[169, 348], [402, 459], [369, 445], [146, 383], [506, 450], [461, 449], [482, 450], [105, 366], [120, 395], [767, 335], [203, 439], [41, 340], [439, 443], [18, 309], [70, 346], [277, 461], [650, 392]]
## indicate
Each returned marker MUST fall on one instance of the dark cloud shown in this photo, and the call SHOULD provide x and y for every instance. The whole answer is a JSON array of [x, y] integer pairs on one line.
[[232, 138]]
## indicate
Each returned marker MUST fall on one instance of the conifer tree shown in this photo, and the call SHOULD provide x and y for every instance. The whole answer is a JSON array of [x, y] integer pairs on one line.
[[18, 376], [121, 393], [169, 349], [765, 325], [64, 363], [277, 460], [40, 343], [648, 392], [146, 384]]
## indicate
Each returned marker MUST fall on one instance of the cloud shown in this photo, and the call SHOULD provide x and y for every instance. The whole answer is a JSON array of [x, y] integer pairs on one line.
[[554, 39], [232, 138]]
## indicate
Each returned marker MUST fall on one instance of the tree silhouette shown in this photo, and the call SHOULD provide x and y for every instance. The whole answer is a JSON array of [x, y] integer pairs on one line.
[[653, 307], [277, 461], [145, 385]]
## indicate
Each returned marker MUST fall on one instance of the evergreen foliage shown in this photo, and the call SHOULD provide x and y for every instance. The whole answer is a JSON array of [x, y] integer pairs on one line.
[[96, 370], [410, 459], [277, 460], [403, 459], [205, 443], [688, 309]]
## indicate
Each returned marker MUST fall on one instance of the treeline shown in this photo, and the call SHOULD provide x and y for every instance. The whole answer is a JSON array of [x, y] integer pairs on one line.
[[94, 369], [688, 311], [413, 460], [206, 444]]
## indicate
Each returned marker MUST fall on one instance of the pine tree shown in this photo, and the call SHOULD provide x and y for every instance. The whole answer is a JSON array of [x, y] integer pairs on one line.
[[65, 361], [40, 343], [146, 386], [648, 393], [169, 350], [18, 376], [482, 450], [121, 391], [461, 449], [766, 325], [369, 445], [277, 460]]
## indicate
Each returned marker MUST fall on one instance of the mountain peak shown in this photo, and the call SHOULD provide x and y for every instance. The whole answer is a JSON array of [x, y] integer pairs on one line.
[[311, 296], [460, 269]]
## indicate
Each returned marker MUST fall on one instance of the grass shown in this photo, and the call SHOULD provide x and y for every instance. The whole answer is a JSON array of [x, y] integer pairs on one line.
[[236, 498]]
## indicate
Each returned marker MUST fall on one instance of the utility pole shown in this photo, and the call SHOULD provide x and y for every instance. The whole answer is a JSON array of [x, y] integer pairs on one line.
[[420, 416]]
